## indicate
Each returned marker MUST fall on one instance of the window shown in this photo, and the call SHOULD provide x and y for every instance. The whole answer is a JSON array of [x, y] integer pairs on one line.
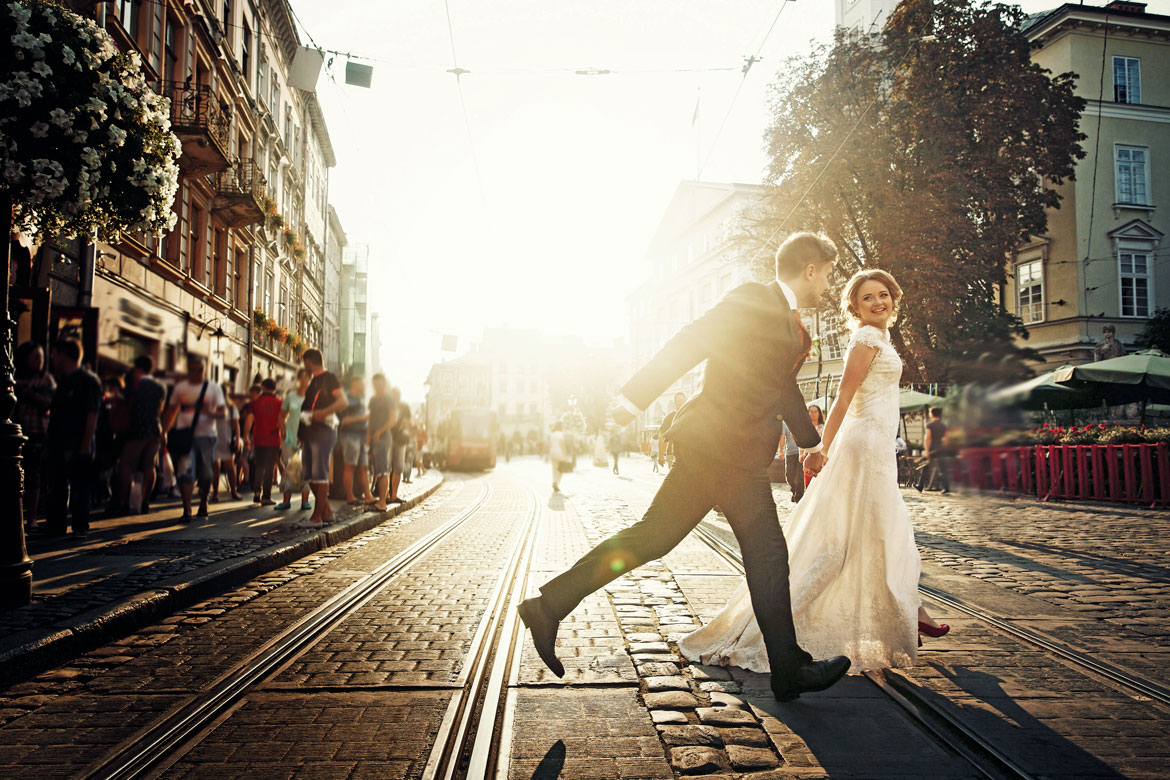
[[282, 307], [830, 336], [269, 281], [262, 79], [128, 16], [219, 257], [1030, 291], [1134, 271], [1127, 80], [246, 52], [196, 244], [241, 280], [532, 408], [171, 47], [1133, 184], [503, 410], [227, 22]]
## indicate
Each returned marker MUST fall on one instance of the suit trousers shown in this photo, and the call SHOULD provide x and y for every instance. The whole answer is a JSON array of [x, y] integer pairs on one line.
[[794, 476], [688, 492]]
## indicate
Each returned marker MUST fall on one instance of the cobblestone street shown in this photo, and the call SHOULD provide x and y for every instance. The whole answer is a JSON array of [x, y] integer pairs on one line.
[[396, 654]]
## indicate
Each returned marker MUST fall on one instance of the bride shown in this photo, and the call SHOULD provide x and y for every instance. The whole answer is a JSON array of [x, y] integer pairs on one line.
[[854, 564]]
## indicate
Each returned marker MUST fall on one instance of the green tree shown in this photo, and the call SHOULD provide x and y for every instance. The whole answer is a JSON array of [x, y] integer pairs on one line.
[[1156, 334], [931, 150]]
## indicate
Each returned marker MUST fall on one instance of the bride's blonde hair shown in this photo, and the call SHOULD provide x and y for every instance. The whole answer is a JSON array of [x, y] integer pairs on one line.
[[849, 294]]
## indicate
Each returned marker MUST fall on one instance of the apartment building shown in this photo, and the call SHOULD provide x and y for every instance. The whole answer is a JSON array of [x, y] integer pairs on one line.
[[1105, 257], [251, 207]]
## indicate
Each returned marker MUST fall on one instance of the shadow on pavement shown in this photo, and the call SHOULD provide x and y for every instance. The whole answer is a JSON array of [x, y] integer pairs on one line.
[[551, 765], [996, 555]]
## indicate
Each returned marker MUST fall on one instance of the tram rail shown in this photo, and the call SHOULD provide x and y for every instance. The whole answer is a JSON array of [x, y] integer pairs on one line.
[[467, 749], [981, 753]]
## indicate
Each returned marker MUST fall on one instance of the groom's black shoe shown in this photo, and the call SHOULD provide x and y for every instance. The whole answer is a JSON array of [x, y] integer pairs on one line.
[[544, 634], [810, 677]]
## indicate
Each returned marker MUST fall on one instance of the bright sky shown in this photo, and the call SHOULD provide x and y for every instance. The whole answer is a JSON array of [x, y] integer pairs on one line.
[[574, 171]]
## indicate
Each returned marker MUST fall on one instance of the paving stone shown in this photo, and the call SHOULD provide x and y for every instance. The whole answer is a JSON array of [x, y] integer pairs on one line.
[[644, 637], [701, 672], [698, 760], [649, 647], [660, 717], [700, 736], [751, 758], [671, 700], [718, 686], [674, 683], [658, 669], [745, 736], [727, 700], [724, 716]]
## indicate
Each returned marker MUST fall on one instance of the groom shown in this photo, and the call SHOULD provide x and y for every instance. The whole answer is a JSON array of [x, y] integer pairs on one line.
[[724, 439]]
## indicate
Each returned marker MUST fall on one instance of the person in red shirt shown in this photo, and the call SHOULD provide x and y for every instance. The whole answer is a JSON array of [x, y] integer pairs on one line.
[[266, 432]]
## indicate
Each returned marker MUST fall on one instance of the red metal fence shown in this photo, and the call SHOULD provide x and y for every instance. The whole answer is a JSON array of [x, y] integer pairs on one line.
[[1125, 473]]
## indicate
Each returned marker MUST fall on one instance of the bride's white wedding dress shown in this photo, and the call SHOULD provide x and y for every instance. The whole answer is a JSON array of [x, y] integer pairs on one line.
[[854, 564]]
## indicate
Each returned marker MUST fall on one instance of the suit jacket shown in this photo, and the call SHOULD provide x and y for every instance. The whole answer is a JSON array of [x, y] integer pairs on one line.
[[753, 350]]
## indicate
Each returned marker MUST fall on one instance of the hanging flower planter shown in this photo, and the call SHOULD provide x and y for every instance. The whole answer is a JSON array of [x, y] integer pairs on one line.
[[260, 319], [85, 144]]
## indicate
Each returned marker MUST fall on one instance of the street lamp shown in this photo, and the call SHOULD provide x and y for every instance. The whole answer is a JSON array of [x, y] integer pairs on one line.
[[15, 565]]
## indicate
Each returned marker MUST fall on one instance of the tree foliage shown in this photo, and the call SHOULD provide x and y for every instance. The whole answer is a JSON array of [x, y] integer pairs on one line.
[[931, 149], [1156, 334]]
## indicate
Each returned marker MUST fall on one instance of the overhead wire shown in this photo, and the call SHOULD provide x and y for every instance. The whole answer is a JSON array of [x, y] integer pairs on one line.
[[459, 73], [495, 70], [748, 63]]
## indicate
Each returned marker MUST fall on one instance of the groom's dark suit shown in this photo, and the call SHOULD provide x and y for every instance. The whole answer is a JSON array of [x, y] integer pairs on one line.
[[725, 438]]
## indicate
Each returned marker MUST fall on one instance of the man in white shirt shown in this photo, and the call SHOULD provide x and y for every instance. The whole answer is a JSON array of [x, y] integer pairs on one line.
[[725, 439], [196, 463]]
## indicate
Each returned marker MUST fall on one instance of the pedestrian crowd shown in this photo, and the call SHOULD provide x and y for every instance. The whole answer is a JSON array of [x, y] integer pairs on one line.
[[117, 445]]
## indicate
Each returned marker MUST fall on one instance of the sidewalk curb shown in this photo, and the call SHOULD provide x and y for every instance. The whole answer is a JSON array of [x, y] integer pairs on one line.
[[87, 630]]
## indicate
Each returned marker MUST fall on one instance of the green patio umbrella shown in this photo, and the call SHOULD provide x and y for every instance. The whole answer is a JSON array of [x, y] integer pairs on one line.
[[1044, 392], [1137, 377], [910, 401]]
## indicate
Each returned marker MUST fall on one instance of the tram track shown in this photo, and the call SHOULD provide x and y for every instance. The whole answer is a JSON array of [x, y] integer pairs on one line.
[[980, 752], [466, 748], [475, 731]]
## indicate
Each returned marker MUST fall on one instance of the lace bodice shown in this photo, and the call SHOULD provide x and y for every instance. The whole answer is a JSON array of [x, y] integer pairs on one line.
[[875, 406]]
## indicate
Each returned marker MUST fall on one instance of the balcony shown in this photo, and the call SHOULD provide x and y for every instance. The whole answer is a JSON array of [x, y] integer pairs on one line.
[[202, 126], [238, 195]]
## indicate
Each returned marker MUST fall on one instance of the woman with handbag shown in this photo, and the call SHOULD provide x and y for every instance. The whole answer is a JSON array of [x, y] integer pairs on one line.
[[190, 432]]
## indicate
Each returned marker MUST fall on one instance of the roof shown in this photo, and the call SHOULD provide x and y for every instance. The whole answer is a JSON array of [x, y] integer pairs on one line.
[[693, 200], [1120, 15]]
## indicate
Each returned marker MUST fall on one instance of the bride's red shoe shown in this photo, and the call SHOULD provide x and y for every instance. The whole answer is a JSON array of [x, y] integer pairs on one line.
[[929, 630]]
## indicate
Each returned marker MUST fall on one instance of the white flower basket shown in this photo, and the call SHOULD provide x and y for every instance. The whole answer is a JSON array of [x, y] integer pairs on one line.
[[85, 143]]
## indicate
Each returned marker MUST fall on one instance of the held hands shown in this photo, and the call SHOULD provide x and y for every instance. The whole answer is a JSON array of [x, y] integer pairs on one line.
[[813, 462]]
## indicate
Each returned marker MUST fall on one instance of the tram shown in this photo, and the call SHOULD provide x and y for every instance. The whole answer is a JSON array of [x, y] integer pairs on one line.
[[466, 440]]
